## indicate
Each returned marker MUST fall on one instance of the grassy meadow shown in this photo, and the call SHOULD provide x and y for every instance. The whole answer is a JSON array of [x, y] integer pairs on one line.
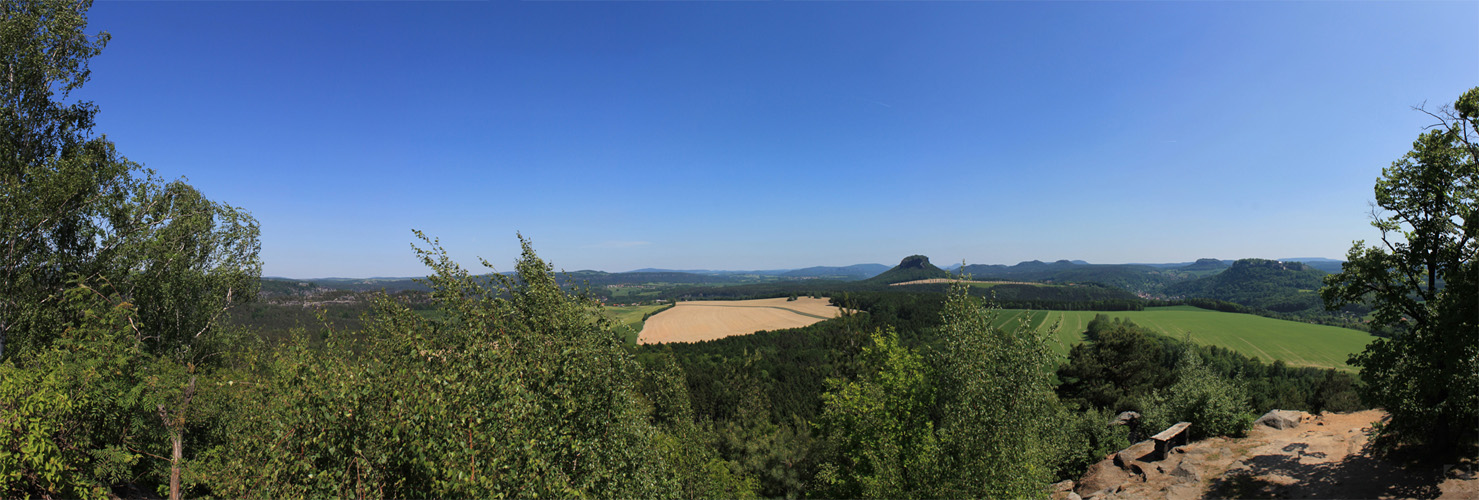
[[1297, 344]]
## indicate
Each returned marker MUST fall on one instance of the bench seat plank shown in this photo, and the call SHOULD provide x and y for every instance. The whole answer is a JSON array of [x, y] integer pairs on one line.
[[1171, 432]]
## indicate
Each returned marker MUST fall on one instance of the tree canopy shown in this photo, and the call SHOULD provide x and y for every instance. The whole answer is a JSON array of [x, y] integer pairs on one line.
[[1424, 285]]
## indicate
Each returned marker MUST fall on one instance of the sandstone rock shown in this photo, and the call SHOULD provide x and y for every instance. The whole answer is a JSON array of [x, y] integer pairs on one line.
[[1280, 419], [1125, 418], [1133, 453], [1065, 495], [1064, 485], [1186, 473], [1101, 476]]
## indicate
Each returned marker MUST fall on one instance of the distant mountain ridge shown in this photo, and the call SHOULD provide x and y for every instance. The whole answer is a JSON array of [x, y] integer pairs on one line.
[[1331, 266], [1151, 279], [855, 271], [1206, 265]]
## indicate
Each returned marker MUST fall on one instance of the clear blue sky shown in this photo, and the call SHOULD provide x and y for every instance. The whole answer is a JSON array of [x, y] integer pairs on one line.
[[737, 135]]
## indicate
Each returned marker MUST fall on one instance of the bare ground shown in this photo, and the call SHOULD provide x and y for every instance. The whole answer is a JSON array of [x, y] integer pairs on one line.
[[1326, 456]]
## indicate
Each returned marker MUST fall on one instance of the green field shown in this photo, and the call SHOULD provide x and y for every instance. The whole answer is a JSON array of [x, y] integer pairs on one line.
[[629, 319], [1297, 344]]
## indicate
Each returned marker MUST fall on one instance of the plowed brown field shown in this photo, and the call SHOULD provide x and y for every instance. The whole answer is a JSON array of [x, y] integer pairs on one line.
[[714, 319]]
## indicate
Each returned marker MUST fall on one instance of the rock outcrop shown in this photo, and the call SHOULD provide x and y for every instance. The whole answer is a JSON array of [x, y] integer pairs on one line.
[[1311, 456], [1281, 419]]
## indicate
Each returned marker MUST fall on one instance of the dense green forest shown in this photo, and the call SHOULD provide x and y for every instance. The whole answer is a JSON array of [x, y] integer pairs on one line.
[[142, 354]]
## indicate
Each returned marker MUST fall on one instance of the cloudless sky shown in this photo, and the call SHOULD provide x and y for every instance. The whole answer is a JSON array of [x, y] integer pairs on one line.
[[740, 135]]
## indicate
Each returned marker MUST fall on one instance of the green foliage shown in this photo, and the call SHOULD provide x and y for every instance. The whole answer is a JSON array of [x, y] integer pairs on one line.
[[197, 259], [1423, 281], [81, 224], [996, 399], [779, 456], [878, 427], [976, 417], [688, 447], [1119, 365], [521, 390], [1215, 406], [61, 191], [71, 411], [1085, 438]]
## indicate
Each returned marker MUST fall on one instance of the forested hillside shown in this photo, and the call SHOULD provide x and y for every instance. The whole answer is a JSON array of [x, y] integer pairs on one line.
[[1263, 284], [1134, 278]]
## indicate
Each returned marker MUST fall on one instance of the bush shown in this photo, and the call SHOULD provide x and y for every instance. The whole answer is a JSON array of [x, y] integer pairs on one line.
[[1086, 438], [1213, 405]]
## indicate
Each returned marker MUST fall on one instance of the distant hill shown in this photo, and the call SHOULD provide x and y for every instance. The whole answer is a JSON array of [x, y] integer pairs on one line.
[[602, 278], [712, 272], [913, 267], [1206, 265], [1132, 277], [1175, 265], [274, 287], [289, 286], [1331, 266], [853, 272], [1259, 283]]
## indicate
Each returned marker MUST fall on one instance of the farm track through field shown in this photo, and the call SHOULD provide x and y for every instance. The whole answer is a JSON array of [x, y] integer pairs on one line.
[[1256, 348]]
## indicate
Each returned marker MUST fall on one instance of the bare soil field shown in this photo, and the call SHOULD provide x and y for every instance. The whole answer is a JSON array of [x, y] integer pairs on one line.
[[702, 320], [1325, 456]]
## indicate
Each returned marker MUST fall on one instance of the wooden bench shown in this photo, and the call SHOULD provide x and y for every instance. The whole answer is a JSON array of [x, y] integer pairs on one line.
[[1169, 439]]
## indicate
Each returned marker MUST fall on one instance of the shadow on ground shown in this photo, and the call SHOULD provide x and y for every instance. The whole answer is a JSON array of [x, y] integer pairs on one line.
[[1358, 476]]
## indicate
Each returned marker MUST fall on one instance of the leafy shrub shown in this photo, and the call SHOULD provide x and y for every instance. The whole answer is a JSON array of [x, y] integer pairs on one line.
[[1085, 438], [1213, 405]]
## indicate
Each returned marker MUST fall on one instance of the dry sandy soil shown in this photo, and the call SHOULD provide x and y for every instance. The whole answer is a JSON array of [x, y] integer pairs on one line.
[[714, 319], [1326, 456]]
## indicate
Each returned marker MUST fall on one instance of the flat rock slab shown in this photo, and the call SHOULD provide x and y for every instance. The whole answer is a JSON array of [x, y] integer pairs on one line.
[[1281, 419]]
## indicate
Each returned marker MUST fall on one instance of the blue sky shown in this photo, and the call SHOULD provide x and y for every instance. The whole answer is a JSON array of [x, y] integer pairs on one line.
[[738, 135]]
